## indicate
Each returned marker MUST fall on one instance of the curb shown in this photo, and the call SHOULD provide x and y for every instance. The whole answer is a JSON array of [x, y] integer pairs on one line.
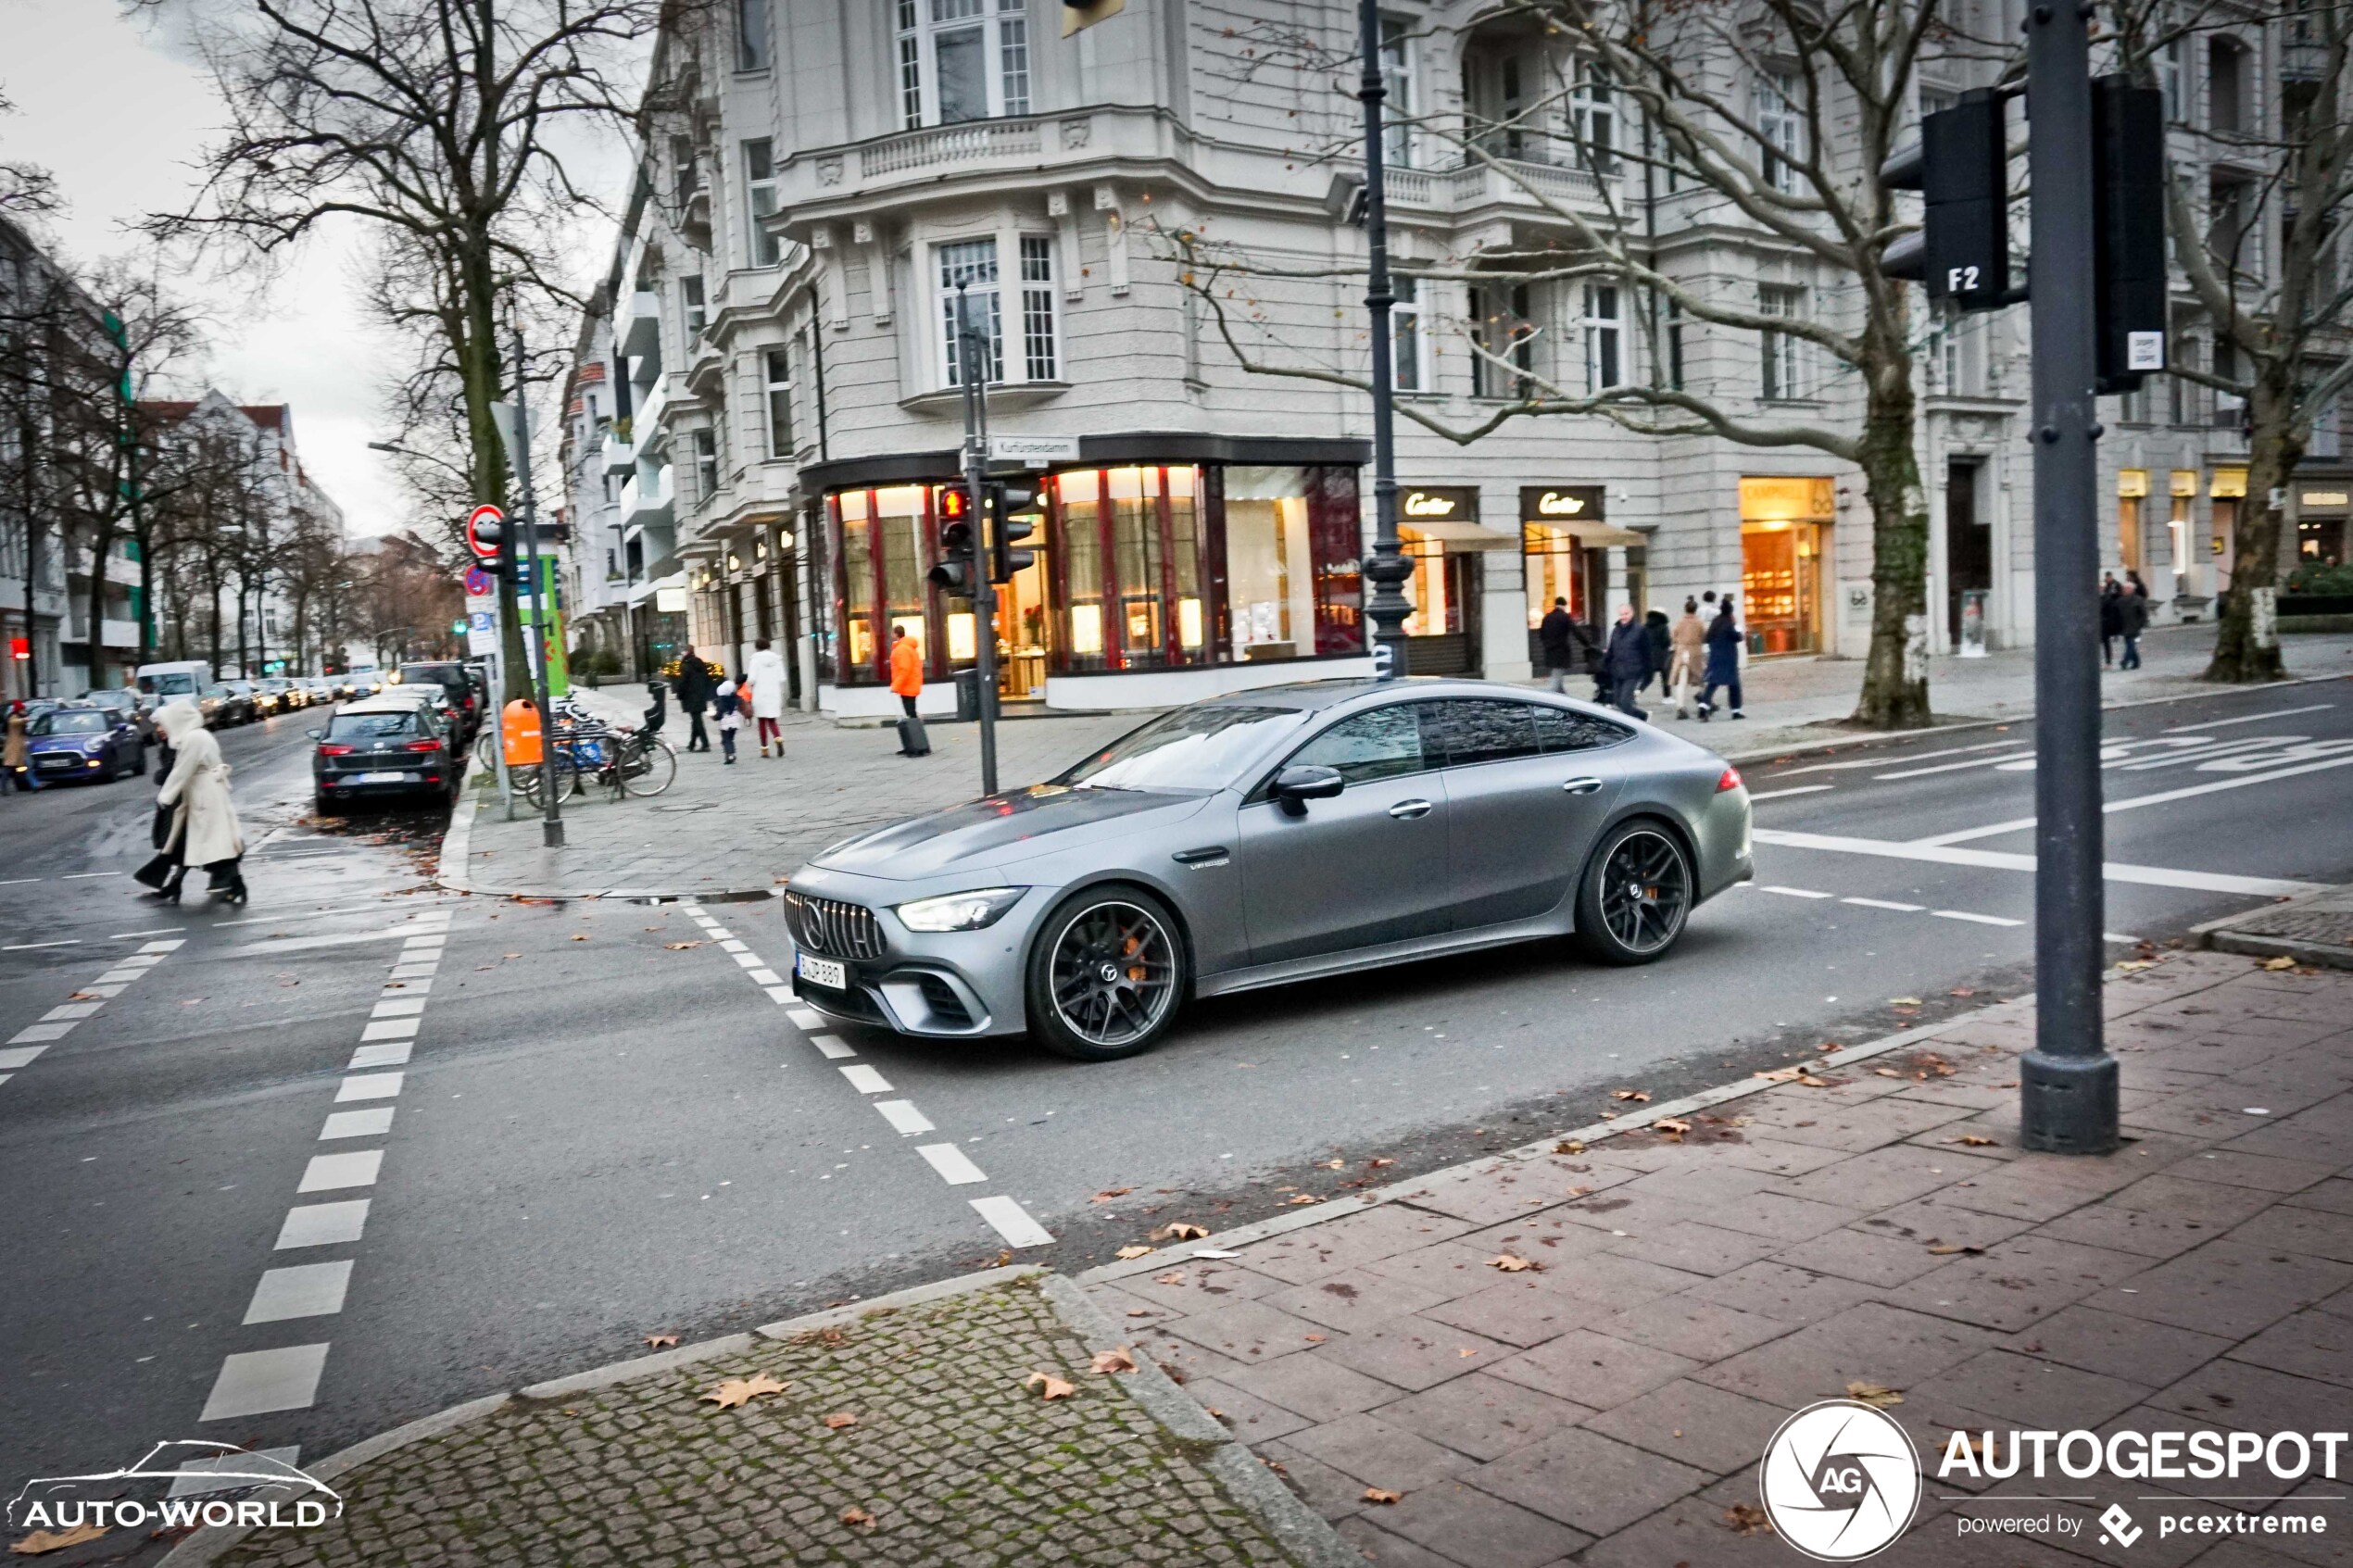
[[1296, 1528], [2223, 936]]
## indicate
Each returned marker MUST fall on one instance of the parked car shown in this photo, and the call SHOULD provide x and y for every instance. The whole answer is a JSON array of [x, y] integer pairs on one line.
[[320, 689], [84, 742], [121, 701], [1263, 837], [223, 705], [468, 693], [425, 694], [174, 679], [250, 704], [382, 749], [282, 694]]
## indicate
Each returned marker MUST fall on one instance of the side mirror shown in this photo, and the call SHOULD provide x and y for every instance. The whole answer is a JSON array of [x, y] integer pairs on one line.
[[1295, 786], [316, 735]]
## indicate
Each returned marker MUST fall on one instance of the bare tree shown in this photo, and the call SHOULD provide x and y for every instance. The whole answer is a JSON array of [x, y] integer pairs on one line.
[[2261, 245]]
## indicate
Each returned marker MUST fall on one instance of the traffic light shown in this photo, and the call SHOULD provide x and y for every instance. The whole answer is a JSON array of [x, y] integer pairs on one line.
[[1960, 165], [2127, 231], [1008, 500], [958, 568]]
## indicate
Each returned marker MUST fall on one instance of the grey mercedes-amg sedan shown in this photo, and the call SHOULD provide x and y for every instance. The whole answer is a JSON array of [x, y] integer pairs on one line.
[[1267, 836]]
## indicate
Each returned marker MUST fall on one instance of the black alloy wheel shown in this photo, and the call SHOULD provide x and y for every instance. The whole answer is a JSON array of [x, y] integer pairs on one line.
[[1106, 973], [1636, 893]]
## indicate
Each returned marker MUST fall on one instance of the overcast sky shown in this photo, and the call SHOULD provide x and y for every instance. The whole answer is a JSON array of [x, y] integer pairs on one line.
[[117, 111]]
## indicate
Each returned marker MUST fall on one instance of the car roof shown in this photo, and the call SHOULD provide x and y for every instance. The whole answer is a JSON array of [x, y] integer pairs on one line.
[[378, 705], [1311, 696]]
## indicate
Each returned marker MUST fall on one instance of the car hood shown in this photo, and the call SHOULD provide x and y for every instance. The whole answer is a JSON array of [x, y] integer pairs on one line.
[[1017, 825]]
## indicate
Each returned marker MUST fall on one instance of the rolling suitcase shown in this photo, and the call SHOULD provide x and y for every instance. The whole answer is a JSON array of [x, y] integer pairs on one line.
[[912, 742]]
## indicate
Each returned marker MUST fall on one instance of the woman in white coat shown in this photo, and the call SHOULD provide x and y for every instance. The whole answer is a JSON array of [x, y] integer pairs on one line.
[[204, 825], [765, 675]]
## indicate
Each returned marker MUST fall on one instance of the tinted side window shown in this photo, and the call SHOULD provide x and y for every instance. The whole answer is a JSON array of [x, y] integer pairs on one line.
[[1558, 730], [1459, 732], [1379, 745]]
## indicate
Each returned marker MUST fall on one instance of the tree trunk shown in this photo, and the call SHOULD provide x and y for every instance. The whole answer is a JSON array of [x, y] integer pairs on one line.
[[2247, 646], [1895, 674]]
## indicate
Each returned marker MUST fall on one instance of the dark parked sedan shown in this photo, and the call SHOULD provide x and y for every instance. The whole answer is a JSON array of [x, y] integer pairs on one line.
[[374, 749], [464, 682], [1264, 837], [83, 743]]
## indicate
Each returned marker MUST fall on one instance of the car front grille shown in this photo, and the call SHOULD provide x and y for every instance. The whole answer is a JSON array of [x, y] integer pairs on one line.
[[834, 929]]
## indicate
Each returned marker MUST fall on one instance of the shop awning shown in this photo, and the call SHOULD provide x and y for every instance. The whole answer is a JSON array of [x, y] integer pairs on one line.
[[1460, 536], [1592, 534]]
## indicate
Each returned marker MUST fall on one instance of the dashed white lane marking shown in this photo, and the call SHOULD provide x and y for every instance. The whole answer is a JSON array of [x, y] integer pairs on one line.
[[70, 1010], [36, 947], [903, 1117], [158, 931], [766, 977], [1980, 920], [380, 1056], [746, 960], [14, 1059], [63, 1019], [1956, 767], [40, 1032], [954, 1166], [390, 1029], [1951, 855], [398, 1006], [2249, 719], [832, 1047], [356, 1123], [323, 1224], [1009, 1220], [1794, 892], [733, 946], [256, 1382], [305, 943], [300, 1290], [80, 876], [804, 1019], [1885, 904], [120, 977], [1777, 794], [330, 1173], [779, 994], [370, 1086], [865, 1080]]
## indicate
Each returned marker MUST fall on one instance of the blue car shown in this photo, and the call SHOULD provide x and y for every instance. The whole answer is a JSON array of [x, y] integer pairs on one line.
[[80, 741]]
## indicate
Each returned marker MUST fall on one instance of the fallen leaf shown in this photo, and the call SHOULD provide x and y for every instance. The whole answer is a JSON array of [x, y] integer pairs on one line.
[[578, 937], [1312, 1338], [743, 1390], [1331, 1164], [1513, 1264], [1174, 1277], [1974, 1141], [55, 1540], [1303, 1197], [1674, 1124], [1580, 1190], [1127, 1253], [674, 946], [1640, 1097], [2283, 961], [1570, 1145], [510, 955], [1378, 1162], [1381, 1495], [1747, 1519], [1180, 1230], [1111, 1360], [840, 1418], [1887, 1072], [1962, 991], [858, 1516], [1108, 1193], [1139, 1311], [1946, 1248], [660, 1341], [1903, 1001], [1781, 1075], [1878, 1395], [84, 996], [1052, 1387]]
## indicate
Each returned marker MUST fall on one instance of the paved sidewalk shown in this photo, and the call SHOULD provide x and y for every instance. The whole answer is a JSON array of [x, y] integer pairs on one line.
[[722, 830], [1691, 1285], [907, 1433]]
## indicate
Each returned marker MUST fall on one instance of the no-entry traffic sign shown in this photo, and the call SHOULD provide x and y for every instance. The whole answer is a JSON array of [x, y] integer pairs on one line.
[[486, 526]]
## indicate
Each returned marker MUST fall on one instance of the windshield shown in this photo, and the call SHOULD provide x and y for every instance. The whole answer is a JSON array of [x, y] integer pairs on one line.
[[1201, 748], [372, 726], [83, 724], [177, 684]]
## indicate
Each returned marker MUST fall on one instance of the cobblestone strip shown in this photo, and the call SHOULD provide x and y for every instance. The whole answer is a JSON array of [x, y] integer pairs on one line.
[[62, 1020]]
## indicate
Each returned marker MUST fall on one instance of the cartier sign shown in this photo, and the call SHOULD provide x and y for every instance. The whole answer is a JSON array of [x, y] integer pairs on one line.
[[1560, 503], [1438, 503]]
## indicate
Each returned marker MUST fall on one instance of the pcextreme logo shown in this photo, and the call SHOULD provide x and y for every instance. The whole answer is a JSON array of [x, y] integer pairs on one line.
[[1841, 1481]]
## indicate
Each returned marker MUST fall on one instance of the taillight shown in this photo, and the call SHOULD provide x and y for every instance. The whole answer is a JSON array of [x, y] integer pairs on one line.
[[424, 746], [1731, 780], [334, 751]]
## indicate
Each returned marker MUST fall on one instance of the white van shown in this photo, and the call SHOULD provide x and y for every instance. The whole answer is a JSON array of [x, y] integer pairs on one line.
[[178, 679]]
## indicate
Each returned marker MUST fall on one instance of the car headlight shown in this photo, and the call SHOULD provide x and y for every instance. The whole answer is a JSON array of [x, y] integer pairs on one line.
[[958, 911]]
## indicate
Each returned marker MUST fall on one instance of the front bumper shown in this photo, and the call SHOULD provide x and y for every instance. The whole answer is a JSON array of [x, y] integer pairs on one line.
[[58, 766], [950, 984]]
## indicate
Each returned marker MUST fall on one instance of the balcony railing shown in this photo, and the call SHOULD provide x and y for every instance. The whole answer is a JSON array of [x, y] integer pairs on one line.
[[1510, 181], [946, 145]]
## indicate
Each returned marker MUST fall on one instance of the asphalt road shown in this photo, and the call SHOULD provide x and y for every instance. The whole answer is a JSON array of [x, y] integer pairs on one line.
[[600, 1131]]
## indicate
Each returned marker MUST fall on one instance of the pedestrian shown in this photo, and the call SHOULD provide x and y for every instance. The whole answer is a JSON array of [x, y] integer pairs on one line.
[[906, 667], [1687, 645], [1626, 662], [203, 822], [1557, 635], [1661, 633], [2111, 616], [13, 768], [2132, 620], [1723, 662], [694, 688], [765, 675], [727, 704]]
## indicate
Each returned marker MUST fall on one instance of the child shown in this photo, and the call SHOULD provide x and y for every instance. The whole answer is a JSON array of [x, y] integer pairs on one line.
[[728, 705]]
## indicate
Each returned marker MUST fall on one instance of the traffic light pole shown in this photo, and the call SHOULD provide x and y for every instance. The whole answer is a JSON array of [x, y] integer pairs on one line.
[[971, 357], [2068, 1082]]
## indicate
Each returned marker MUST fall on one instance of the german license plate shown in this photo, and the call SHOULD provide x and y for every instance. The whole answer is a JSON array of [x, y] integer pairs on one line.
[[383, 778], [828, 972]]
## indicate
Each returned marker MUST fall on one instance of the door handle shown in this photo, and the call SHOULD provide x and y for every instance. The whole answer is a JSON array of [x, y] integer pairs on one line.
[[1202, 858], [1405, 810], [1582, 786]]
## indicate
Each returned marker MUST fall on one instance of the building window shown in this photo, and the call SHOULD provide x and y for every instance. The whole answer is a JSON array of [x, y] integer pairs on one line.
[[2225, 87], [1782, 354], [1500, 328], [1674, 345], [685, 180], [2168, 80], [1407, 371], [751, 34], [696, 315], [1604, 337], [778, 365], [706, 444], [1396, 59], [961, 60], [1780, 120], [760, 184], [1594, 116], [971, 263], [1040, 357]]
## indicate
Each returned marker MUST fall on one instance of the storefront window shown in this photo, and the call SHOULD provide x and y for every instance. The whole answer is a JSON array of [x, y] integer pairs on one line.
[[1783, 538], [1270, 583], [899, 527], [856, 588]]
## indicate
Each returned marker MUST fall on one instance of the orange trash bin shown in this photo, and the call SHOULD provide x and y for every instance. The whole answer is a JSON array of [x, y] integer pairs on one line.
[[519, 732]]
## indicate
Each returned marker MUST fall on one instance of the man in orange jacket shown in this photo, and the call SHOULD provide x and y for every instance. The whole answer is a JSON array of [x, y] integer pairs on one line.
[[906, 669]]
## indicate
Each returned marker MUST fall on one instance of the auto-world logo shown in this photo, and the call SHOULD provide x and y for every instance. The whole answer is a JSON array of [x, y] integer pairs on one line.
[[207, 1484], [1841, 1481]]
